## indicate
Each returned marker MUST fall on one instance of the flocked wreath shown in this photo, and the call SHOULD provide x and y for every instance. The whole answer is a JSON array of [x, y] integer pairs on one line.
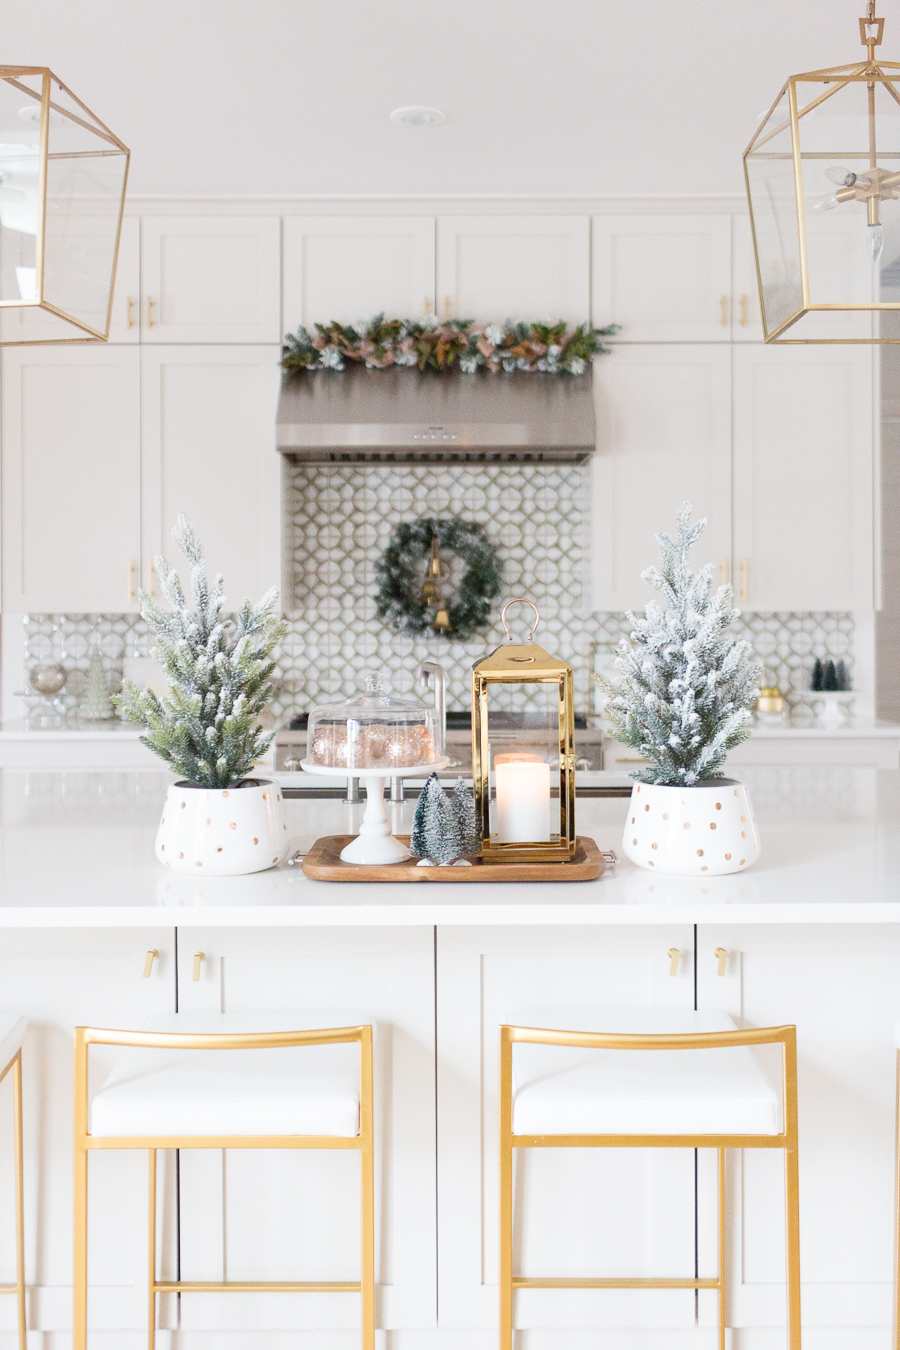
[[399, 600]]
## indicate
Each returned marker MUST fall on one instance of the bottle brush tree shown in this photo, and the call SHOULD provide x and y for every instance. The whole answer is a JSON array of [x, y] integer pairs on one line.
[[218, 668], [687, 685]]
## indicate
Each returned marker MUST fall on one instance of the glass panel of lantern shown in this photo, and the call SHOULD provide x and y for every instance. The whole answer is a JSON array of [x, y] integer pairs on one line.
[[61, 199], [523, 755]]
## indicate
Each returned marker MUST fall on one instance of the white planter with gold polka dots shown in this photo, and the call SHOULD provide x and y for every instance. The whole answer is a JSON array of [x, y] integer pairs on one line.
[[691, 831], [222, 832]]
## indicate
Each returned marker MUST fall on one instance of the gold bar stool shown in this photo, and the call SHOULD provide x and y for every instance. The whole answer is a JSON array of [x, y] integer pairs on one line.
[[12, 1034], [213, 1080], [625, 1091]]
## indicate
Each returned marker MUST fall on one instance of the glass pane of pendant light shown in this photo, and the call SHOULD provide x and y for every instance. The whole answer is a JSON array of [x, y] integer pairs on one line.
[[61, 197], [825, 211]]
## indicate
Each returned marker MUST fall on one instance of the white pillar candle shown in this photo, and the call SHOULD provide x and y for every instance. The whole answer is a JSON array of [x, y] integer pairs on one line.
[[523, 798]]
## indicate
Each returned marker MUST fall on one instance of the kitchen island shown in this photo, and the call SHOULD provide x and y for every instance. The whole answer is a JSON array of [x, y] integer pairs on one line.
[[811, 936]]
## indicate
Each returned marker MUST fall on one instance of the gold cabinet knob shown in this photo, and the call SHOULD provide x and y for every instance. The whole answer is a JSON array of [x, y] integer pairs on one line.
[[152, 955], [129, 311], [674, 956], [723, 308], [130, 585], [744, 320], [199, 958], [150, 303], [722, 955]]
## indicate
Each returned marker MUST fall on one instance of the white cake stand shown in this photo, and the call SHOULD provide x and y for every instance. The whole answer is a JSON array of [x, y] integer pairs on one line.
[[374, 845]]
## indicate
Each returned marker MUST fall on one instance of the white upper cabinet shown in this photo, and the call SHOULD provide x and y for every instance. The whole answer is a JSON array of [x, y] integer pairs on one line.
[[37, 325], [803, 477], [663, 437], [351, 267], [209, 453], [513, 267], [71, 479], [211, 278], [663, 278], [746, 320]]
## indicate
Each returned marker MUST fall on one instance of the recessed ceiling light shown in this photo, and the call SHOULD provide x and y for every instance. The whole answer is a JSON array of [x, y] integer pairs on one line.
[[417, 116]]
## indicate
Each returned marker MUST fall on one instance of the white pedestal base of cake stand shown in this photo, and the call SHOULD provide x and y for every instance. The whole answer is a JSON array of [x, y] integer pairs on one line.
[[374, 845]]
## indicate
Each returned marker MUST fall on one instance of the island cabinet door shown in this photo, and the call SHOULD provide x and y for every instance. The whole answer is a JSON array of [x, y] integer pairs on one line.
[[579, 1212], [59, 979], [840, 986], [294, 1215]]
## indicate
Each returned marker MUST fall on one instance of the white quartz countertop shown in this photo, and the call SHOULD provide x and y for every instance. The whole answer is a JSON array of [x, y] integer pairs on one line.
[[76, 849]]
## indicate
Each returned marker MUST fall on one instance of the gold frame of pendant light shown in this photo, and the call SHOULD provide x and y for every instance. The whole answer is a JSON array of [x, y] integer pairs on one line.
[[523, 664], [871, 73], [363, 1142], [785, 1036], [10, 74]]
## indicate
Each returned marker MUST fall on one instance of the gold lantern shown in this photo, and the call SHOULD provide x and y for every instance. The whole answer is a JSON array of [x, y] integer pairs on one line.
[[823, 183], [62, 192], [518, 755]]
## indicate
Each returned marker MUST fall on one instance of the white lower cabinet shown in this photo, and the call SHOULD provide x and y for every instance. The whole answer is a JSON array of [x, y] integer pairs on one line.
[[579, 1211], [295, 1215], [59, 979], [840, 985]]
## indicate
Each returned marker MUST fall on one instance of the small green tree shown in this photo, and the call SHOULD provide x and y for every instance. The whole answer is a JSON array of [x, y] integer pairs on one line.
[[218, 669], [687, 685]]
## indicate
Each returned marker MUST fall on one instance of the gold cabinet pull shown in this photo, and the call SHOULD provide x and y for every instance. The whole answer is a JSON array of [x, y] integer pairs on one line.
[[129, 311], [446, 307], [745, 588], [151, 573], [744, 320], [723, 568], [152, 955], [723, 306], [722, 955], [427, 306], [150, 303], [199, 958], [130, 587], [674, 956]]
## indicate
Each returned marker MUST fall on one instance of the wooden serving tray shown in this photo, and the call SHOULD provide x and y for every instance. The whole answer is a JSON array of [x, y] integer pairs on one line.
[[323, 863]]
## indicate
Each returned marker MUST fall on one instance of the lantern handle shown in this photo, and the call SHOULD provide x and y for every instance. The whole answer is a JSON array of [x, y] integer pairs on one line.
[[520, 600]]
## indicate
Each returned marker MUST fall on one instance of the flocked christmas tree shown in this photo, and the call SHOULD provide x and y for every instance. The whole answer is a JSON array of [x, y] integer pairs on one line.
[[687, 685], [96, 705], [444, 828], [206, 728]]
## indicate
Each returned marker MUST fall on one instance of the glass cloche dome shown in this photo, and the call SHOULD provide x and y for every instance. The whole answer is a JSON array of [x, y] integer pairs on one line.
[[374, 730]]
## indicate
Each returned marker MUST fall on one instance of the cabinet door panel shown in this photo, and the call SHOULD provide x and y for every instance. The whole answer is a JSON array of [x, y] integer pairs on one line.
[[513, 267], [803, 473], [295, 1216], [351, 267], [663, 437], [209, 452], [71, 478], [586, 1211], [36, 325], [60, 979], [838, 984], [211, 278], [663, 278]]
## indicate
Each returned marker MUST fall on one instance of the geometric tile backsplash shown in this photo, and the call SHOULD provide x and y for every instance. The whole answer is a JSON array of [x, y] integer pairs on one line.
[[339, 519]]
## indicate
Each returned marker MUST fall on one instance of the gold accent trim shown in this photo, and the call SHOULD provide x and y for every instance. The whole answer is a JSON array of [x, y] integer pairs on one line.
[[153, 954], [15, 1064], [363, 1142], [786, 1036]]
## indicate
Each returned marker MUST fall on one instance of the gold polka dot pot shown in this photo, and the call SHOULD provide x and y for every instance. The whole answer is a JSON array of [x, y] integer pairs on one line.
[[222, 832], [692, 831]]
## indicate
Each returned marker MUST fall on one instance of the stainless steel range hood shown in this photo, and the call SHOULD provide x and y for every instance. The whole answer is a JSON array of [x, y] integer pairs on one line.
[[402, 415]]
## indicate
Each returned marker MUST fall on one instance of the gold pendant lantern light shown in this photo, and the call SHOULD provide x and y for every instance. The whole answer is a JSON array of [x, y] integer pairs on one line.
[[62, 192], [823, 183]]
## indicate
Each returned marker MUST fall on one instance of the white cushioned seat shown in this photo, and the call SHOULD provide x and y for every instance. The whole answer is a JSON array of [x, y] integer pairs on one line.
[[12, 1034], [562, 1090], [294, 1090]]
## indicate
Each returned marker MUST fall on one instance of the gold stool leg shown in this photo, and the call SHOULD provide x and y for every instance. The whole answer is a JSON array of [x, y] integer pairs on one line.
[[896, 1334], [79, 1324], [151, 1253], [20, 1198], [506, 1194], [367, 1193], [721, 1273]]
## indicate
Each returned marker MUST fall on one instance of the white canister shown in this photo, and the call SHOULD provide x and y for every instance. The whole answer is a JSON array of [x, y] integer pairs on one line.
[[707, 830], [222, 832]]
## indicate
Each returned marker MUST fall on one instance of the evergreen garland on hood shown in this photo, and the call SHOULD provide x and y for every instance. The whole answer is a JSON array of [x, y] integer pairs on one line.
[[687, 685]]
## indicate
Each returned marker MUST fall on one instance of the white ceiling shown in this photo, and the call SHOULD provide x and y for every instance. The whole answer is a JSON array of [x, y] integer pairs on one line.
[[572, 97]]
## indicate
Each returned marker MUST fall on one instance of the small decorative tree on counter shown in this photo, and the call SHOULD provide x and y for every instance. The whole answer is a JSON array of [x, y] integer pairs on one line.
[[683, 701], [206, 728]]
